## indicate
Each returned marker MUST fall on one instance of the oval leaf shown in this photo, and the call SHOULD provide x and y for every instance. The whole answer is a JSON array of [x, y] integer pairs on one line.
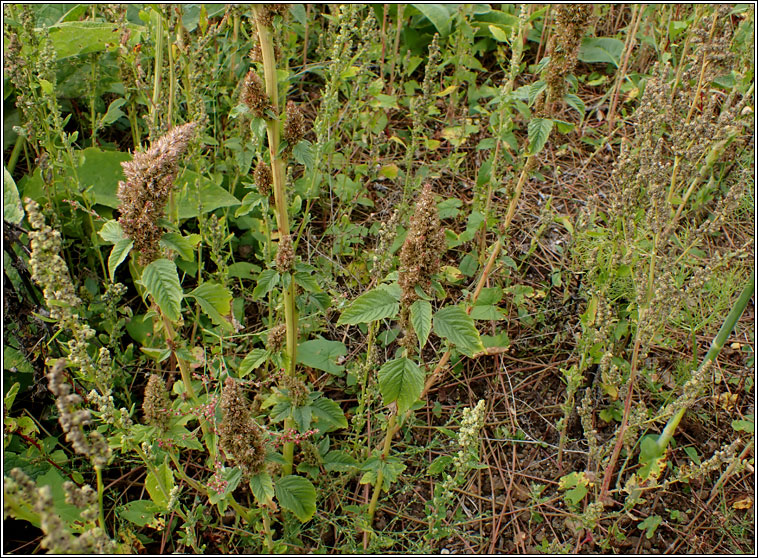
[[371, 306], [215, 300], [262, 487], [401, 380], [298, 495], [421, 320], [453, 324], [539, 130], [119, 252], [161, 281]]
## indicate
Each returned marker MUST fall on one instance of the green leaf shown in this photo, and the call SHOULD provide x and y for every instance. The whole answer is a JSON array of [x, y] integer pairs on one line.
[[253, 360], [538, 131], [329, 415], [161, 281], [111, 232], [307, 281], [114, 112], [439, 15], [649, 525], [401, 380], [139, 512], [391, 467], [10, 397], [232, 476], [421, 320], [298, 495], [339, 461], [535, 89], [575, 103], [601, 49], [440, 464], [159, 486], [376, 304], [267, 280], [119, 252], [74, 38], [322, 354], [215, 300], [182, 245], [498, 34], [303, 153], [453, 324], [13, 211], [262, 487]]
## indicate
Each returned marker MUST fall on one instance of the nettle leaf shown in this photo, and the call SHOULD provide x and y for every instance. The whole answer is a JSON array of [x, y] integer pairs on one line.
[[262, 487], [253, 360], [182, 245], [161, 280], [111, 232], [215, 300], [159, 486], [421, 320], [298, 495], [322, 354], [535, 89], [119, 252], [303, 153], [401, 380], [575, 103], [329, 415], [376, 304], [267, 280], [539, 131], [452, 323]]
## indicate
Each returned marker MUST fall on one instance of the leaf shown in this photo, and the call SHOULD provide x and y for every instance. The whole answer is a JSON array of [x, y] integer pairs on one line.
[[439, 15], [111, 232], [13, 211], [376, 304], [535, 89], [139, 512], [601, 49], [114, 112], [329, 415], [303, 153], [253, 360], [74, 38], [321, 354], [498, 34], [182, 245], [298, 495], [161, 281], [440, 464], [262, 487], [159, 486], [649, 525], [539, 131], [267, 280], [421, 320], [401, 380], [119, 252], [215, 300], [339, 461], [453, 324], [575, 103]]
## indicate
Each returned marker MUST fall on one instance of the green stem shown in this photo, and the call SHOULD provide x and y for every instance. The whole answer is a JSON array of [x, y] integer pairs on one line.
[[17, 147], [100, 490], [158, 67], [380, 473], [716, 345]]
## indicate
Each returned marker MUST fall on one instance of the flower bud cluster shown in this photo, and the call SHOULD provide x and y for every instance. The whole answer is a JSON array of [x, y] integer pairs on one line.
[[241, 438]]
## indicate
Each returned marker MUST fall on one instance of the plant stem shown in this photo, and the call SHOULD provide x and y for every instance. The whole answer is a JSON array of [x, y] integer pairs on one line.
[[380, 474], [100, 490]]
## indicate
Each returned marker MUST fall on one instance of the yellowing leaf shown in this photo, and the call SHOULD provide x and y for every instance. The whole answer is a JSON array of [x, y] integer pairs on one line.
[[449, 89], [743, 503]]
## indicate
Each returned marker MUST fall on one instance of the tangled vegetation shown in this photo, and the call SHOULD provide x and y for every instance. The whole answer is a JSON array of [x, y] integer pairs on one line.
[[402, 278]]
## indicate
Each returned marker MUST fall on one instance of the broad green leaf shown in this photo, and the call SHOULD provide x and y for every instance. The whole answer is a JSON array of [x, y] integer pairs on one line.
[[498, 33], [601, 49], [253, 360], [440, 464], [376, 304], [159, 486], [538, 131], [139, 512], [215, 300], [119, 252], [535, 89], [262, 487], [329, 415], [390, 468], [161, 281], [13, 211], [401, 380], [232, 476], [487, 312], [74, 38], [198, 194], [575, 103], [421, 320], [339, 461], [182, 245], [322, 354], [303, 153], [439, 15], [267, 280], [298, 495], [111, 232], [453, 324]]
